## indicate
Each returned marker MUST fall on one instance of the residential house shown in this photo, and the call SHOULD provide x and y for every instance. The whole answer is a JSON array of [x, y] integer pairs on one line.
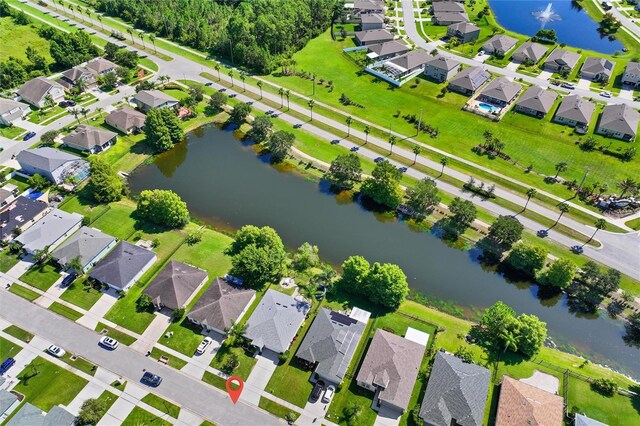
[[371, 21], [71, 78], [175, 285], [30, 415], [123, 266], [275, 321], [449, 18], [366, 38], [126, 120], [37, 91], [88, 245], [575, 112], [536, 101], [437, 1], [7, 195], [469, 80], [12, 111], [619, 121], [53, 164], [8, 402], [524, 404], [561, 60], [409, 63], [148, 99], [329, 345], [466, 32], [441, 68], [367, 7], [529, 52], [221, 306], [90, 138], [101, 66], [387, 50], [390, 369], [499, 45], [456, 392], [20, 215], [50, 231], [447, 6], [582, 420], [597, 69], [631, 74], [501, 91]]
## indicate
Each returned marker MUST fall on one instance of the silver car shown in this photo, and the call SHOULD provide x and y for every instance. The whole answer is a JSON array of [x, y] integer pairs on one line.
[[109, 342]]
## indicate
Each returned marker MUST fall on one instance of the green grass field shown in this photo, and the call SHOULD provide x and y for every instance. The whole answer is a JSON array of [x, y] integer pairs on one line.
[[65, 311], [15, 39], [246, 362], [108, 399], [162, 404], [214, 380], [80, 363], [82, 295], [24, 292], [275, 408], [18, 333], [174, 362], [8, 349], [139, 417], [7, 260], [41, 276], [11, 132]]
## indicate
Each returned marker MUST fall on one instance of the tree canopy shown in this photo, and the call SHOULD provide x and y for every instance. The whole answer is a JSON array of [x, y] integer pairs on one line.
[[559, 274], [423, 196], [384, 185], [105, 186], [239, 113], [260, 128], [163, 207], [279, 145], [464, 213], [527, 258], [162, 129], [506, 230], [344, 171], [257, 255]]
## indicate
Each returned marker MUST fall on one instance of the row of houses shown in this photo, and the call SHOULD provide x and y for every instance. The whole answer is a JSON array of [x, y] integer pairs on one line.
[[448, 13]]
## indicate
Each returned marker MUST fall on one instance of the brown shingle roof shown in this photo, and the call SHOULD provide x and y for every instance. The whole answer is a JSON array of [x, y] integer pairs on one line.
[[175, 284], [221, 304], [522, 404]]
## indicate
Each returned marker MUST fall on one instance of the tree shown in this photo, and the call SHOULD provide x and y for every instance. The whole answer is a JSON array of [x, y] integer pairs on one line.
[[197, 93], [392, 142], [311, 104], [281, 93], [560, 274], [75, 264], [217, 68], [600, 224], [384, 185], [387, 285], [239, 113], [444, 161], [422, 196], [531, 334], [344, 171], [105, 185], [349, 120], [162, 129], [152, 39], [145, 303], [48, 138], [305, 257], [243, 78], [287, 94], [110, 79], [560, 167], [260, 129], [91, 412], [527, 258], [257, 255], [42, 256], [123, 73], [279, 145], [163, 207], [231, 74], [464, 212], [531, 193], [506, 230], [564, 208], [367, 130], [416, 151], [126, 58], [39, 182], [354, 275], [217, 101], [259, 84], [495, 320], [627, 185]]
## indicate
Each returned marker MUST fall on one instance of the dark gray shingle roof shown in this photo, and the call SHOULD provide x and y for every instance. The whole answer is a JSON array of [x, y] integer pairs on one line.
[[36, 89], [221, 304], [388, 48], [153, 98], [502, 89], [471, 78], [46, 158], [531, 51], [562, 57], [122, 264], [538, 99], [22, 211], [175, 284], [621, 118], [88, 137], [573, 107], [87, 243]]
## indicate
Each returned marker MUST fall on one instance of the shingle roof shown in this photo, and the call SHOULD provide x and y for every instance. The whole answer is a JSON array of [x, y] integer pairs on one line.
[[371, 18], [573, 107], [175, 284], [502, 88], [373, 35], [221, 304], [22, 211], [598, 65], [464, 27], [531, 51], [563, 58], [30, 415], [75, 73], [388, 48], [538, 99], [36, 89], [88, 137], [582, 420], [451, 17], [153, 98], [392, 363], [523, 404], [6, 400], [48, 230], [411, 60], [500, 42], [471, 78], [45, 158], [87, 243], [368, 5], [122, 264], [125, 118], [620, 118], [447, 6], [100, 65], [331, 342], [633, 67], [7, 105], [276, 321], [456, 391], [443, 63]]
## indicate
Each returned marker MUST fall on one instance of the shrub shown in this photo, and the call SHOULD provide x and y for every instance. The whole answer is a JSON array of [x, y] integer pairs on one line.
[[604, 386]]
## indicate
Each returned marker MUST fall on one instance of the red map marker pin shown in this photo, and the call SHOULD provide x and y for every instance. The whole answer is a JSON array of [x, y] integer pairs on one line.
[[234, 394]]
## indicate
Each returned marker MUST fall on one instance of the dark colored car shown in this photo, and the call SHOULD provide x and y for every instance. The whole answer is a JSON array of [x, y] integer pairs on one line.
[[379, 160], [70, 278], [317, 390], [28, 136], [150, 379], [63, 104], [402, 169], [355, 148], [297, 126], [71, 102], [208, 83], [335, 141], [543, 233], [6, 365], [577, 249]]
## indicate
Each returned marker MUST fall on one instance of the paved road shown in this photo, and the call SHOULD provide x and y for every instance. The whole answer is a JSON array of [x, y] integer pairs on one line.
[[176, 386]]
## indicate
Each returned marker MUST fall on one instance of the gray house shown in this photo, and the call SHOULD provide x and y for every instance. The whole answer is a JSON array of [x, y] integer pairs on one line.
[[221, 305], [30, 415], [371, 21], [329, 345], [12, 111], [499, 45], [529, 52], [70, 78], [88, 245], [387, 50], [148, 99], [447, 6], [368, 6], [390, 369], [456, 393], [561, 60], [465, 31], [366, 38], [409, 63], [597, 69], [36, 91], [8, 402], [52, 164], [175, 285], [449, 18], [123, 266], [501, 91], [101, 66], [20, 215], [126, 120], [536, 101], [441, 68], [50, 231], [631, 74], [469, 80], [275, 322], [619, 121], [575, 112], [90, 138]]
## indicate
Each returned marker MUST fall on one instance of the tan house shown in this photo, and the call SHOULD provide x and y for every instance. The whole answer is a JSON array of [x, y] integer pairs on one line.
[[12, 111], [529, 53], [126, 120], [536, 101], [561, 60], [36, 91], [89, 138], [619, 121], [499, 45]]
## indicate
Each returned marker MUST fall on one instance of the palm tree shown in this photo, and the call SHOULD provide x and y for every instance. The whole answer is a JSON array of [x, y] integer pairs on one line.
[[531, 192], [80, 85], [259, 84], [76, 113], [564, 208], [231, 75], [287, 94], [600, 224], [281, 93], [75, 264], [627, 185], [130, 31], [349, 120], [392, 142], [54, 4], [85, 111], [444, 161], [99, 18], [164, 79], [510, 341], [88, 12], [367, 130], [217, 68], [79, 10], [561, 167], [62, 4], [152, 38], [141, 36], [100, 110], [49, 101], [416, 151], [243, 78], [311, 104], [70, 7], [313, 83]]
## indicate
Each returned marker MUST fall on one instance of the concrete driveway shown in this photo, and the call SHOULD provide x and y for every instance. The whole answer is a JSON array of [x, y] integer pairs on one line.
[[387, 417], [260, 375], [151, 335], [584, 84], [512, 65]]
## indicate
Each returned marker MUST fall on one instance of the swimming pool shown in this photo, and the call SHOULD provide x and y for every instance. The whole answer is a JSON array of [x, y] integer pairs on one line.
[[488, 107], [35, 195]]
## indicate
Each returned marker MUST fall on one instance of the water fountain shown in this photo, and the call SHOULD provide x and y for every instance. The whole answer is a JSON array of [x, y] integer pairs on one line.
[[546, 15]]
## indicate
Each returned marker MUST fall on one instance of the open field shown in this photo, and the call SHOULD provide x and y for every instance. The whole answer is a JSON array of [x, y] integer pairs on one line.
[[15, 39]]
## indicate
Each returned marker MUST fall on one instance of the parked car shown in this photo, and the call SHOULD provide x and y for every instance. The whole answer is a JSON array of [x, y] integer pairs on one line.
[[71, 102], [109, 342], [568, 86], [317, 390], [355, 148], [150, 379], [6, 365], [378, 160], [402, 169], [69, 279], [577, 249], [206, 342], [28, 136], [335, 141], [328, 394], [605, 94], [297, 126], [56, 351], [63, 104], [208, 83], [543, 233]]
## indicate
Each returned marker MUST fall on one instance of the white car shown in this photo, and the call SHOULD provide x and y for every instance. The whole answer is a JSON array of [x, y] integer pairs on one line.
[[56, 351], [605, 94], [109, 342], [328, 394], [204, 345]]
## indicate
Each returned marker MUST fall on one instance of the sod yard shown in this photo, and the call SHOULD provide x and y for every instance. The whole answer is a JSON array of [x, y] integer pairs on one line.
[[7, 260], [81, 294], [42, 276], [139, 417], [162, 404], [122, 337], [18, 333], [24, 292], [8, 349], [15, 39], [65, 311]]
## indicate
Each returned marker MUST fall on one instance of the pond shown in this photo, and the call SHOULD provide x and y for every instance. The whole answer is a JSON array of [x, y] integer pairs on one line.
[[226, 184], [572, 24]]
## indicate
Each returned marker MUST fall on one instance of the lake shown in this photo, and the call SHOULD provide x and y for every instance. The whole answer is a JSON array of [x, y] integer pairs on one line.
[[226, 184], [574, 26]]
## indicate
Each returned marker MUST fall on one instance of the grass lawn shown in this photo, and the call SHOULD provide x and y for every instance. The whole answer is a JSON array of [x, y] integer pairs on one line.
[[139, 417], [65, 311], [21, 182], [83, 205], [174, 362], [82, 295], [7, 260], [18, 333], [614, 410], [8, 349], [80, 363], [121, 337], [214, 380], [275, 408], [24, 292], [146, 62], [246, 362], [44, 384], [107, 398], [186, 337], [11, 132], [42, 276], [129, 152], [117, 221], [634, 224], [119, 385], [162, 404], [207, 254], [41, 116], [16, 38]]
